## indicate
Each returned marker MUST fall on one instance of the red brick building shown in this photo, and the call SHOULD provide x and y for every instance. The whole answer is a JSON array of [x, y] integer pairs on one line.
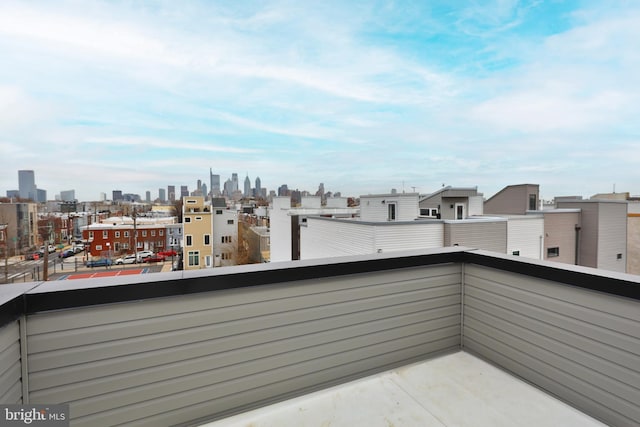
[[110, 240]]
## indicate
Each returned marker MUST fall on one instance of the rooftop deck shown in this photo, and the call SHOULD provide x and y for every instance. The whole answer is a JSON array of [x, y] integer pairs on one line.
[[192, 347], [453, 390]]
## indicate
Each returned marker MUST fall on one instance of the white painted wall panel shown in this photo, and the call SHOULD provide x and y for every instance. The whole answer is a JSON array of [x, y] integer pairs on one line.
[[280, 223], [612, 237], [526, 235]]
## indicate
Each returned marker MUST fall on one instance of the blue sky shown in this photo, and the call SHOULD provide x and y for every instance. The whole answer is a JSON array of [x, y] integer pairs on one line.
[[364, 96]]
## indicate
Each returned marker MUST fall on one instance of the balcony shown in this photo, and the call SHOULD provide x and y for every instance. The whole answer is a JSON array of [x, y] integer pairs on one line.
[[187, 348]]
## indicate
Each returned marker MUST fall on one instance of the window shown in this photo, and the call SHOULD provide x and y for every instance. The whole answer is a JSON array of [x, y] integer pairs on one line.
[[98, 247], [207, 239], [392, 212], [187, 219], [516, 253], [126, 234], [194, 258], [189, 239], [153, 233], [226, 255], [219, 212], [161, 232], [117, 234], [191, 201], [226, 239], [533, 202], [144, 233], [230, 221], [619, 256], [125, 246], [105, 234], [553, 252], [198, 218], [91, 234]]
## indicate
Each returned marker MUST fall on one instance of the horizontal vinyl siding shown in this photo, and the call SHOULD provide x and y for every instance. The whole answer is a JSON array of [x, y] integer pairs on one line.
[[323, 238], [10, 366], [579, 345], [409, 236], [169, 361], [491, 236]]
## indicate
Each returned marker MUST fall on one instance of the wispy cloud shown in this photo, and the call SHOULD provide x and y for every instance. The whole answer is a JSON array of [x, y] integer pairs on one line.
[[355, 95]]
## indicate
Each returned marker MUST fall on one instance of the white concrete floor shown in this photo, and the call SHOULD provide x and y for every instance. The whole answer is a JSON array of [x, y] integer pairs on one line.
[[454, 390]]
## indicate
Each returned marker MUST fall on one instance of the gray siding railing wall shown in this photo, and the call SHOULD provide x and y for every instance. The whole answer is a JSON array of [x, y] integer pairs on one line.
[[157, 356], [172, 360], [580, 345], [10, 364]]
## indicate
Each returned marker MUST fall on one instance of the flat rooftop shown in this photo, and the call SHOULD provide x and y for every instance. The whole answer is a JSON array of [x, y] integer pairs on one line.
[[453, 390]]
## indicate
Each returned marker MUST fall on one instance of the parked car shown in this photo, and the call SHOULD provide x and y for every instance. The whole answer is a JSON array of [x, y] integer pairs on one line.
[[51, 249], [66, 253], [32, 256], [154, 258], [143, 254], [101, 262], [168, 253], [78, 247], [129, 259]]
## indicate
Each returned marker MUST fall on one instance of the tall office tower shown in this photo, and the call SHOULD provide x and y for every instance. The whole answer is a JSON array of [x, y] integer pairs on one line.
[[283, 190], [247, 187], [41, 195], [184, 191], [199, 186], [102, 197], [214, 181], [171, 190], [68, 196], [234, 182], [148, 196], [116, 195], [204, 191], [258, 189], [162, 195], [228, 188], [27, 185]]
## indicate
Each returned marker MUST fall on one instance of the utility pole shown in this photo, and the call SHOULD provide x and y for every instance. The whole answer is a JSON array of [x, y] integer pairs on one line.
[[135, 233]]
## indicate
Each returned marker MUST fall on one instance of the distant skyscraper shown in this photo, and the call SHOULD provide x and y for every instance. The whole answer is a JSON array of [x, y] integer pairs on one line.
[[258, 189], [102, 197], [162, 195], [41, 195], [13, 194], [203, 190], [148, 196], [27, 185], [283, 190], [234, 182], [116, 195], [247, 187], [68, 196], [171, 190], [214, 181], [184, 191]]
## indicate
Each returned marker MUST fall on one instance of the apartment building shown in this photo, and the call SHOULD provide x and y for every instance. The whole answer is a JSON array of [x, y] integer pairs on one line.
[[197, 224], [21, 220], [114, 239], [452, 203]]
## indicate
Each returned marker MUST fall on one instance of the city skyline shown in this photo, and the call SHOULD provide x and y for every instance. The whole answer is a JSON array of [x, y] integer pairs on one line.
[[363, 97]]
